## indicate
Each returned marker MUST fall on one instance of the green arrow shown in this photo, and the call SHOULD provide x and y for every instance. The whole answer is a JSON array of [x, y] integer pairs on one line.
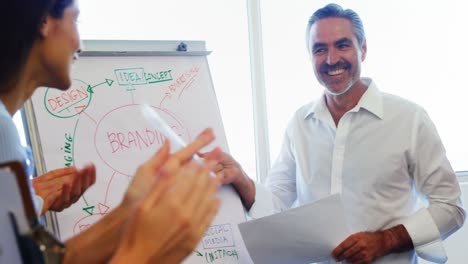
[[89, 210], [199, 254], [90, 89], [107, 81]]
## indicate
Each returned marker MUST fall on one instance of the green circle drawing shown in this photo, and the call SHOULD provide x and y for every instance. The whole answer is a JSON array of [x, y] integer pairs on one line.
[[67, 112]]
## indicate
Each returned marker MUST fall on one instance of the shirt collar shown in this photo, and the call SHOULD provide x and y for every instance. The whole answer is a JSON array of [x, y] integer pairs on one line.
[[371, 100], [317, 108]]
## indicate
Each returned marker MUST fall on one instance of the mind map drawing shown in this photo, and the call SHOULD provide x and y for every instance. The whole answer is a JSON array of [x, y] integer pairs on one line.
[[99, 120]]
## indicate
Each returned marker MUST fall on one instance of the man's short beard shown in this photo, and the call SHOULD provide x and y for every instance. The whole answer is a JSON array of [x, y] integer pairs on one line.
[[328, 91]]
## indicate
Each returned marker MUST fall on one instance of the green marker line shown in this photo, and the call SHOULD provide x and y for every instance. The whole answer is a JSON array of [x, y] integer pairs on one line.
[[86, 202], [73, 143], [107, 81], [73, 153], [161, 81]]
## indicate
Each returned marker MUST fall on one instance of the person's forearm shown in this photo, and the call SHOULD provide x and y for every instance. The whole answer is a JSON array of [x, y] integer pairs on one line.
[[98, 243], [136, 255], [245, 186], [397, 239], [128, 255]]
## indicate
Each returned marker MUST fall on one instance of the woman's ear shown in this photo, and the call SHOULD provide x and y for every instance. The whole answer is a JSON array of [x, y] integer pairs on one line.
[[46, 26]]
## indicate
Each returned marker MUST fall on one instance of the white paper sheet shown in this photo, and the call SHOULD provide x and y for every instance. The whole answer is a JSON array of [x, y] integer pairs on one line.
[[301, 235]]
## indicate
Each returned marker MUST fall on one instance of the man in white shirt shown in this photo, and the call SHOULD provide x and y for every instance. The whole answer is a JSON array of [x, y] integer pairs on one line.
[[381, 152]]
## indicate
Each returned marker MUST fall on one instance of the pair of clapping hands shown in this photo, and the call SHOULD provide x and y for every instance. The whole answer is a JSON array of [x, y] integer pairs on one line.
[[171, 198]]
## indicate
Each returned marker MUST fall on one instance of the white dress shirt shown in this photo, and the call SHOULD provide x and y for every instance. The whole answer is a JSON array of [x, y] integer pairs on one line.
[[385, 157]]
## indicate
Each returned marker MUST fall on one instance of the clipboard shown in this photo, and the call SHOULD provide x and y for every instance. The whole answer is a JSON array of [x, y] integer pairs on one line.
[[23, 239]]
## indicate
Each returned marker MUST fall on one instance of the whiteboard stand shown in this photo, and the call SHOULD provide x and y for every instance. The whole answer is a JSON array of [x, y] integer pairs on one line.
[[93, 48], [98, 119]]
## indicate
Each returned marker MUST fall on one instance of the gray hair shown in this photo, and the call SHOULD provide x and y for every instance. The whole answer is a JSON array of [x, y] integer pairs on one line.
[[335, 10]]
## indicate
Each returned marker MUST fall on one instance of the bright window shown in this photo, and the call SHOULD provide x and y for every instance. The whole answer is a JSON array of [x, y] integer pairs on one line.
[[222, 24], [415, 50]]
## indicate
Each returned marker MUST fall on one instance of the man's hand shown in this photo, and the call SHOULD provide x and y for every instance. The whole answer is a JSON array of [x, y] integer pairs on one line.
[[362, 247], [62, 187], [365, 247], [227, 169], [230, 172]]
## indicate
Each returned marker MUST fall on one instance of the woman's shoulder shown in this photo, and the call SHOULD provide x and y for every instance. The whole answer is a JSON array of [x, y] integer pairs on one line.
[[9, 139]]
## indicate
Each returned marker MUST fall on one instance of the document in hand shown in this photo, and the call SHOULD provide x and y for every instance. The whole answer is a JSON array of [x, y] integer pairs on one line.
[[301, 235]]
